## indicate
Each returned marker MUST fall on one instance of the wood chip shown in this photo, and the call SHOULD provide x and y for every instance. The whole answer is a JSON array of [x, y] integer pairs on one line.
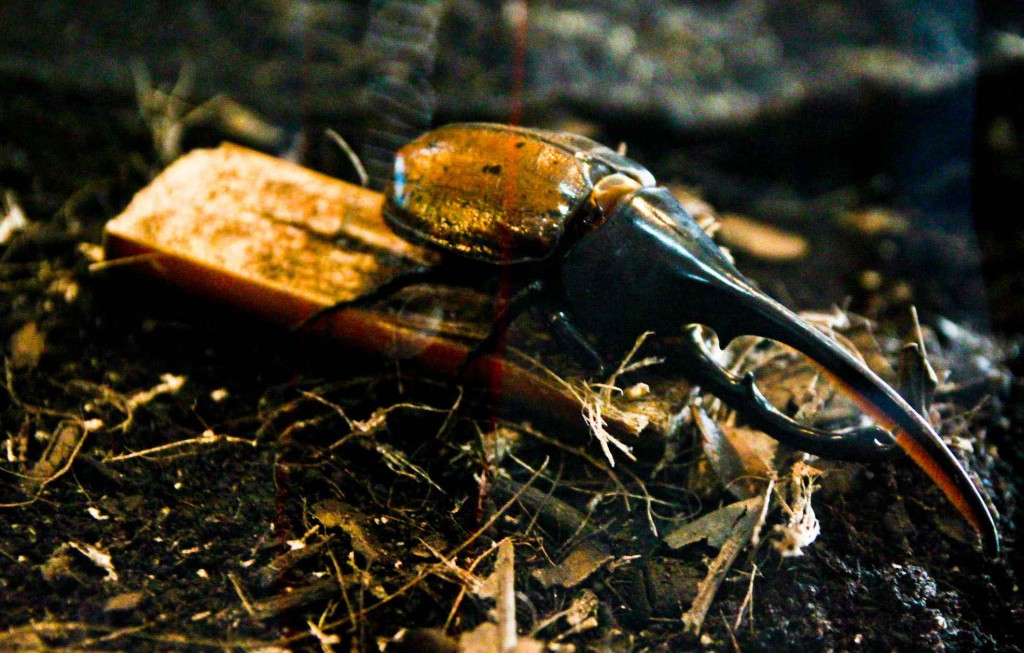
[[124, 602], [582, 562], [27, 345], [761, 240]]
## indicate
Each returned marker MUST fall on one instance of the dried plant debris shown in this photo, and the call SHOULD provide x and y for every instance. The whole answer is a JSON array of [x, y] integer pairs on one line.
[[582, 562], [62, 563], [26, 346], [351, 560], [124, 602], [745, 462], [487, 638], [761, 240], [728, 530], [801, 527], [598, 403], [60, 452], [498, 634], [272, 574], [874, 222], [741, 459], [169, 115], [588, 549], [333, 513], [916, 379], [12, 218], [716, 527], [580, 616]]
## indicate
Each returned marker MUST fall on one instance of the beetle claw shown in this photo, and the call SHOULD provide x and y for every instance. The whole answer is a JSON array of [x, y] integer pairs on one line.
[[861, 444]]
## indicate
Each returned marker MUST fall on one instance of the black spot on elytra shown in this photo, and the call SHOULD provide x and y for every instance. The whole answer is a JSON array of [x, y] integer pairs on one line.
[[494, 169]]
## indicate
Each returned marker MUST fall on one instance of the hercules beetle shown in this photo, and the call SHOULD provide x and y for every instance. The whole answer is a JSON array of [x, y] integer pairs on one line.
[[609, 253]]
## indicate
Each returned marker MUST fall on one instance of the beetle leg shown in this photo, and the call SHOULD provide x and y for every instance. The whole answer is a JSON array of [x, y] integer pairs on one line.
[[536, 295], [419, 275], [571, 338], [506, 313], [862, 444]]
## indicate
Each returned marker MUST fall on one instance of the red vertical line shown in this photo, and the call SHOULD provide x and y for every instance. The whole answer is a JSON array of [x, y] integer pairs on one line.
[[281, 474], [504, 290], [305, 111], [515, 115]]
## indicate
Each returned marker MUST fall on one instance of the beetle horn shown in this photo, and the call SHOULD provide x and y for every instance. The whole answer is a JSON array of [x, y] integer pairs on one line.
[[660, 270], [904, 426]]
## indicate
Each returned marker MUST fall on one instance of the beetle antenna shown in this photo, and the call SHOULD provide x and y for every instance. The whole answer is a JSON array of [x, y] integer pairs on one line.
[[364, 179]]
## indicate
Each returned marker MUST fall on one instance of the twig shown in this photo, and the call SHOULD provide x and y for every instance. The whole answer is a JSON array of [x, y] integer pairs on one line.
[[582, 453], [283, 602], [151, 258], [242, 596], [626, 494], [732, 635], [326, 640], [207, 437], [693, 619], [364, 179], [747, 600], [27, 407], [42, 483], [506, 606], [462, 590]]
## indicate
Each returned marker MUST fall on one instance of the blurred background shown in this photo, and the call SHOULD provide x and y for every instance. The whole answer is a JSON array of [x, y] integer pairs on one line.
[[887, 133]]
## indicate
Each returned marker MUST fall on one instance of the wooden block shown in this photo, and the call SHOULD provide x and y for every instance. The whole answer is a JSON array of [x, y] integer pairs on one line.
[[281, 242]]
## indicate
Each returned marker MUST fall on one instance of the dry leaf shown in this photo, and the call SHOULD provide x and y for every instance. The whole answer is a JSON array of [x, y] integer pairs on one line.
[[715, 527], [333, 513], [581, 563], [730, 529], [742, 458], [27, 345]]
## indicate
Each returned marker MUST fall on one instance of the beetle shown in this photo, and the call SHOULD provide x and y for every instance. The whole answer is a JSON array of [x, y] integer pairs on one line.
[[606, 254]]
